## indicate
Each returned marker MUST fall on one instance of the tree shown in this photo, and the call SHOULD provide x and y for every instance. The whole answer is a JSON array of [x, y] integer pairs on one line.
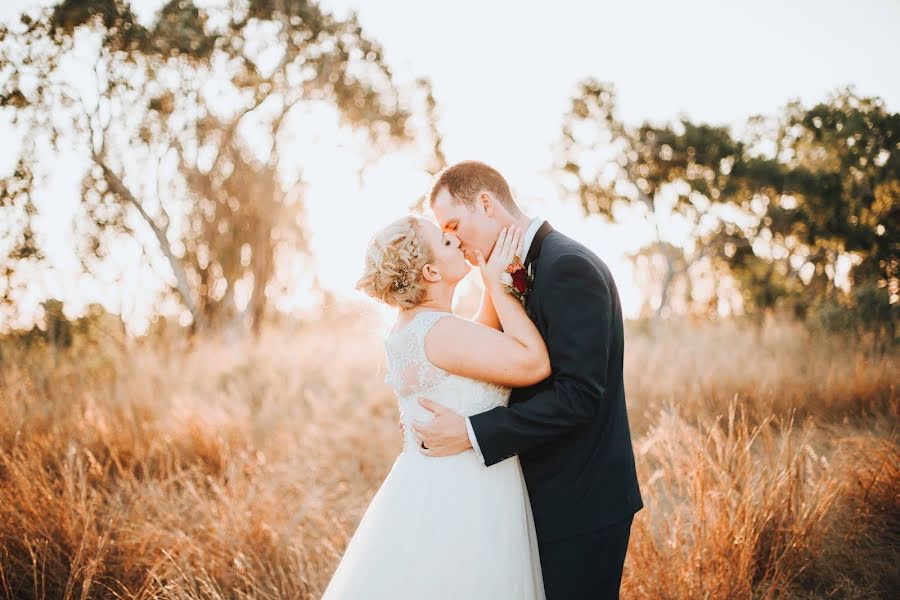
[[679, 172], [183, 125], [778, 222], [842, 187]]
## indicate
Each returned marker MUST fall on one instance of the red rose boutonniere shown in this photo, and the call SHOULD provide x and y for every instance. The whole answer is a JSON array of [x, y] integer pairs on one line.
[[517, 280]]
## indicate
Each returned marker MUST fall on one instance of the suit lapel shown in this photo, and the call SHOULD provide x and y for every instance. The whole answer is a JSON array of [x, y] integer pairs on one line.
[[534, 251]]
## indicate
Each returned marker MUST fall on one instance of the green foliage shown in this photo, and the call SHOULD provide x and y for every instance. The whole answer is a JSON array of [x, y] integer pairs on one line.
[[843, 161], [866, 311], [680, 171], [873, 306], [778, 223], [96, 331], [835, 317], [873, 312]]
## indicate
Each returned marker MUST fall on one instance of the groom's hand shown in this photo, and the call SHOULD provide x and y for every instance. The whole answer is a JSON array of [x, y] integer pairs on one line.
[[445, 434]]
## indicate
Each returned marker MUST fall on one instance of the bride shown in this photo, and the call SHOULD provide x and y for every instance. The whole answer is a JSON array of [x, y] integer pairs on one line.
[[446, 527]]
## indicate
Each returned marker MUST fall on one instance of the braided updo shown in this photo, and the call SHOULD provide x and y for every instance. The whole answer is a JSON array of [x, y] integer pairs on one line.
[[394, 261]]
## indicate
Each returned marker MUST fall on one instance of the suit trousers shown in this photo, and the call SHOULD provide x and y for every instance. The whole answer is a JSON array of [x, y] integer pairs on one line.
[[586, 566]]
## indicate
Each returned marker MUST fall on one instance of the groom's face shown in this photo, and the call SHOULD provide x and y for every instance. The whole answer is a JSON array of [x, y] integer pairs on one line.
[[475, 227]]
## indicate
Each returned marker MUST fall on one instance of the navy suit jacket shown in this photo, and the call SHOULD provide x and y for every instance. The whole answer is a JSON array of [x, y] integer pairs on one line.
[[571, 430]]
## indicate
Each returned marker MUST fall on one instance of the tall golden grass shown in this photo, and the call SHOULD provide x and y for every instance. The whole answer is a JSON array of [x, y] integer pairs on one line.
[[768, 458]]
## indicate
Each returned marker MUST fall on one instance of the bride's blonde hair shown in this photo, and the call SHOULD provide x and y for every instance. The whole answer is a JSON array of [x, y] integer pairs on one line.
[[395, 258]]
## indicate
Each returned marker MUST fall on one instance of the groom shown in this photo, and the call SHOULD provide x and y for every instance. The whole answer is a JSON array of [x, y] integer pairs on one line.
[[571, 430]]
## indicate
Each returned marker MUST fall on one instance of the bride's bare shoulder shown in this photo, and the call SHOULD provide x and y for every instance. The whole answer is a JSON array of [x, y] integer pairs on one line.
[[454, 325], [455, 333]]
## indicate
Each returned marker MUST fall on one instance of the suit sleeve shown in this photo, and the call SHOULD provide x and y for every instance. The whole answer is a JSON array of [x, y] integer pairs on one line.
[[577, 310]]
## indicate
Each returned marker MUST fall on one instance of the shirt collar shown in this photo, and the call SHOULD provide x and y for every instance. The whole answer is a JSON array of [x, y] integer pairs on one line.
[[530, 233]]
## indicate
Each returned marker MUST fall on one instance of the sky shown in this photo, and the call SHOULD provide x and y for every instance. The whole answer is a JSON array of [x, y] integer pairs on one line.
[[504, 73]]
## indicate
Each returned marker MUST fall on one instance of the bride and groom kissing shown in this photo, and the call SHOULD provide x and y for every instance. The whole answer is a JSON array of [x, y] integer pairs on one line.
[[517, 478]]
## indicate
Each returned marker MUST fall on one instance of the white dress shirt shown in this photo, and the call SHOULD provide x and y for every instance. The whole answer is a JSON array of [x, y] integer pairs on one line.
[[526, 244]]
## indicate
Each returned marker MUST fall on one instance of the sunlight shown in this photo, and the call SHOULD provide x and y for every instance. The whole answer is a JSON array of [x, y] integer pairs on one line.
[[196, 401], [493, 107]]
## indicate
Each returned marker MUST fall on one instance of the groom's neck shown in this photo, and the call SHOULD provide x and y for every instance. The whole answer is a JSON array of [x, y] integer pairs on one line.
[[523, 221]]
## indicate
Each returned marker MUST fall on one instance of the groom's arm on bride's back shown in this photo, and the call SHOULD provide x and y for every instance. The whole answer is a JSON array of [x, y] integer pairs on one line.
[[577, 308]]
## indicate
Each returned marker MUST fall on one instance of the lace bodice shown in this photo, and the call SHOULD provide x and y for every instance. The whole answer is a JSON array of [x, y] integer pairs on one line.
[[412, 376]]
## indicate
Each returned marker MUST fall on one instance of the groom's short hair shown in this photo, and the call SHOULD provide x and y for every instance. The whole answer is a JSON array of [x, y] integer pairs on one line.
[[466, 179]]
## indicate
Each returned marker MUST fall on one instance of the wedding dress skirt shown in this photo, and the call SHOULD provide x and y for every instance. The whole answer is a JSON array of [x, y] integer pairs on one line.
[[441, 527]]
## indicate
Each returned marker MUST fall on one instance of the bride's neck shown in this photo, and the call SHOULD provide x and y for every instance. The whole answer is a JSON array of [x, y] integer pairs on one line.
[[438, 298]]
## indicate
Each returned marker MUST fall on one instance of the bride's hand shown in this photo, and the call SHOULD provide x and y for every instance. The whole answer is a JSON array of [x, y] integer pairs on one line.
[[506, 251]]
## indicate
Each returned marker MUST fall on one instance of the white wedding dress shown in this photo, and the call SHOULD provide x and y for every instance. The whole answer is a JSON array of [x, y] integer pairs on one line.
[[441, 527]]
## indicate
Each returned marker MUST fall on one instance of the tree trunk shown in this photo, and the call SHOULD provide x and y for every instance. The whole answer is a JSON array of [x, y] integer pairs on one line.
[[181, 283], [664, 289]]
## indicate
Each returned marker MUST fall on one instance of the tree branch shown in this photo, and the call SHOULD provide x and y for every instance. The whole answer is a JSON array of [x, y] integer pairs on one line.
[[118, 187]]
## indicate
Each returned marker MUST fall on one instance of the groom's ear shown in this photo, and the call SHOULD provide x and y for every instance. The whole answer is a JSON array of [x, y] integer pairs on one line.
[[487, 203], [430, 274]]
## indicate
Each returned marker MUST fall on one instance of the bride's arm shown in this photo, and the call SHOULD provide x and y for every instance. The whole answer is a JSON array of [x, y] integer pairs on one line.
[[515, 357], [472, 350], [487, 314]]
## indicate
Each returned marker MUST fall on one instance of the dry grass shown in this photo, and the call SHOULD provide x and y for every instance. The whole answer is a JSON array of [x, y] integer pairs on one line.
[[698, 369], [769, 464]]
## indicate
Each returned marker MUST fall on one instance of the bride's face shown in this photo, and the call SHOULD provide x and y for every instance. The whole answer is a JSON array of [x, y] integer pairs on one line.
[[476, 227], [446, 256]]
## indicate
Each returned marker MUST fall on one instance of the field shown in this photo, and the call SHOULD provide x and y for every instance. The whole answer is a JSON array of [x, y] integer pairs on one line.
[[769, 463]]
